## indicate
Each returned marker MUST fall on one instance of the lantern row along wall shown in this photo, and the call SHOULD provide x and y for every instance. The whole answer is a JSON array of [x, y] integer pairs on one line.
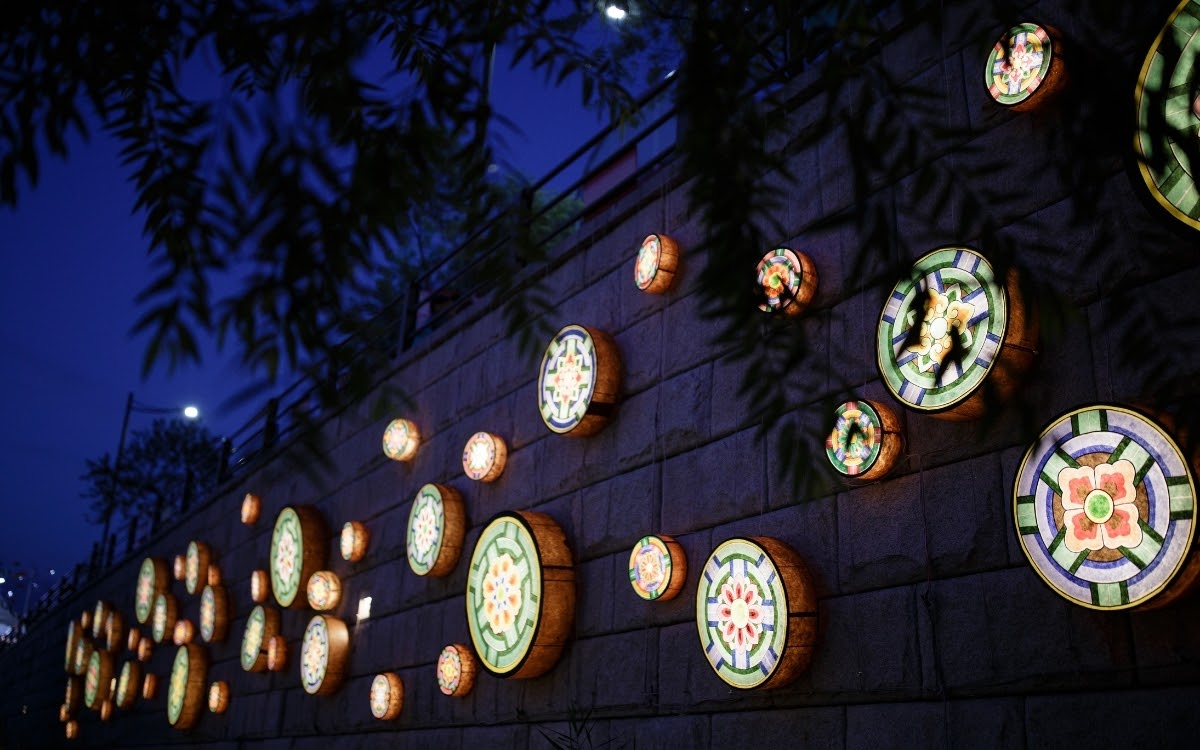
[[932, 615]]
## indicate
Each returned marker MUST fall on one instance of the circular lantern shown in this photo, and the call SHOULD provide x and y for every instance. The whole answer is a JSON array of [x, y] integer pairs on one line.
[[323, 655], [1167, 116], [152, 581], [74, 637], [656, 264], [100, 618], [83, 652], [260, 586], [355, 538], [106, 708], [1105, 509], [324, 590], [578, 381], [74, 695], [401, 439], [145, 649], [520, 594], [261, 626], [456, 670], [135, 637], [184, 632], [179, 567], [787, 280], [128, 683], [166, 613], [218, 697], [114, 631], [195, 575], [436, 525], [484, 457], [214, 574], [97, 680], [64, 714], [214, 614], [387, 696], [277, 654], [1025, 67], [865, 441], [251, 508], [185, 691], [657, 567], [950, 328], [72, 729], [149, 686], [299, 546], [756, 611]]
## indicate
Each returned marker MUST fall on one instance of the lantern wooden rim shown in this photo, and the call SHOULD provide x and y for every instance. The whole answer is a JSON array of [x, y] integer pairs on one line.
[[277, 654], [787, 301], [1052, 78], [179, 567], [600, 405], [214, 575], [251, 509], [83, 653], [386, 707], [324, 590], [797, 622], [885, 433], [255, 641], [444, 551], [218, 697], [330, 637], [554, 612], [185, 695], [401, 439], [456, 670], [72, 729], [310, 539], [665, 582], [494, 451], [260, 586], [656, 275], [354, 541], [114, 631], [106, 709], [183, 633], [214, 617], [134, 639], [149, 686], [128, 683], [64, 715]]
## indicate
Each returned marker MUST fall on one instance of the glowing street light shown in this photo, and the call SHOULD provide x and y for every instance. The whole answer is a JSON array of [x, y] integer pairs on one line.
[[615, 11]]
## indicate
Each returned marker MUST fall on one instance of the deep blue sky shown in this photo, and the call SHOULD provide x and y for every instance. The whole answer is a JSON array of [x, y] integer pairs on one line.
[[73, 261]]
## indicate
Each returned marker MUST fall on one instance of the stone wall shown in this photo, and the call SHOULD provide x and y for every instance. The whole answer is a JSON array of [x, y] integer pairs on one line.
[[934, 629]]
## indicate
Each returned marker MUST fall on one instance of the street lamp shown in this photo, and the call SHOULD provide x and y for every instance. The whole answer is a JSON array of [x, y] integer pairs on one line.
[[188, 412]]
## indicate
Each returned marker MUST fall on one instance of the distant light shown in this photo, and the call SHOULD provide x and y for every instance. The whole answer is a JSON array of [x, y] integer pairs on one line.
[[52, 572], [10, 593], [190, 412], [615, 11], [2, 579], [364, 608]]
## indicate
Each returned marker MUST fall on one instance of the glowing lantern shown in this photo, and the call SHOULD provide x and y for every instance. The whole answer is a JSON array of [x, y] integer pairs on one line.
[[579, 381], [74, 695], [261, 626], [100, 618], [1025, 67], [166, 613], [106, 707], [152, 581], [149, 686], [323, 655], [214, 614], [456, 667], [656, 264], [128, 683], [198, 558], [865, 441], [324, 590], [277, 654], [97, 680], [135, 637], [788, 281], [145, 649], [484, 457], [218, 697], [114, 631], [214, 574], [72, 729], [83, 652], [401, 439], [657, 568], [184, 632], [179, 567], [355, 538], [299, 546], [387, 696], [185, 690], [251, 508], [260, 586], [436, 525], [74, 637]]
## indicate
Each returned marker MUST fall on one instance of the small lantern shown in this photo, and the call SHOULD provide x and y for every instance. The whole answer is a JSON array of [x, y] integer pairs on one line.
[[787, 280], [153, 579], [145, 649], [656, 264], [97, 680], [1025, 68], [74, 636], [277, 654], [260, 586], [865, 441], [218, 697], [74, 695], [106, 707], [184, 632], [251, 508], [355, 538], [214, 574], [199, 557], [100, 618], [484, 457], [135, 637], [114, 631], [387, 696], [261, 626], [299, 547], [149, 686], [657, 568], [72, 729], [456, 670], [179, 567], [64, 714], [436, 525], [85, 620], [128, 683], [324, 590], [401, 439], [185, 690], [579, 381]]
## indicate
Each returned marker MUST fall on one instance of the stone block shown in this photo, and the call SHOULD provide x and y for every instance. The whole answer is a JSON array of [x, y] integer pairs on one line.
[[871, 644], [809, 527], [882, 535], [641, 346], [1153, 718], [1162, 640], [718, 482], [897, 725], [616, 670], [636, 431], [782, 727], [968, 515], [684, 410], [694, 337], [731, 409], [672, 732], [685, 678], [616, 513], [594, 595]]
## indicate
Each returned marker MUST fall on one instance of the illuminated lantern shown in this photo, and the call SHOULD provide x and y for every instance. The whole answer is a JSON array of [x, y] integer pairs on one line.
[[97, 680], [756, 612], [149, 686], [135, 637], [64, 715], [145, 649], [199, 556], [83, 653], [277, 654], [323, 655], [355, 538], [251, 508], [579, 381], [100, 619], [656, 264], [1167, 108], [1100, 500], [152, 581], [456, 669], [299, 546], [218, 697], [1025, 68], [520, 594], [387, 696], [74, 695], [72, 729], [214, 614], [106, 709], [166, 613], [787, 280], [185, 691], [657, 568], [260, 586], [114, 631], [261, 626], [179, 567], [950, 327], [74, 637], [436, 525], [484, 457], [401, 439], [865, 441], [214, 574], [185, 632], [324, 590], [128, 683]]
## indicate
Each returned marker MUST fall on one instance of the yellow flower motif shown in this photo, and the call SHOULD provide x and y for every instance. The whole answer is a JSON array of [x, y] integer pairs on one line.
[[502, 594], [943, 318]]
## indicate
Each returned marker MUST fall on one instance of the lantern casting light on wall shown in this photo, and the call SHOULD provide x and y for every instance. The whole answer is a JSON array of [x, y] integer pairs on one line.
[[145, 649], [354, 541], [657, 568], [149, 686], [787, 280], [74, 636], [656, 264], [277, 654], [484, 457], [401, 438], [185, 690], [865, 441], [129, 682], [387, 696], [218, 696], [97, 679], [184, 632], [323, 655], [579, 381], [456, 668], [196, 562], [436, 525], [260, 586]]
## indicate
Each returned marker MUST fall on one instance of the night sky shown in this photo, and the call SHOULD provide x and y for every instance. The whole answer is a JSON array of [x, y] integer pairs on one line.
[[74, 260]]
